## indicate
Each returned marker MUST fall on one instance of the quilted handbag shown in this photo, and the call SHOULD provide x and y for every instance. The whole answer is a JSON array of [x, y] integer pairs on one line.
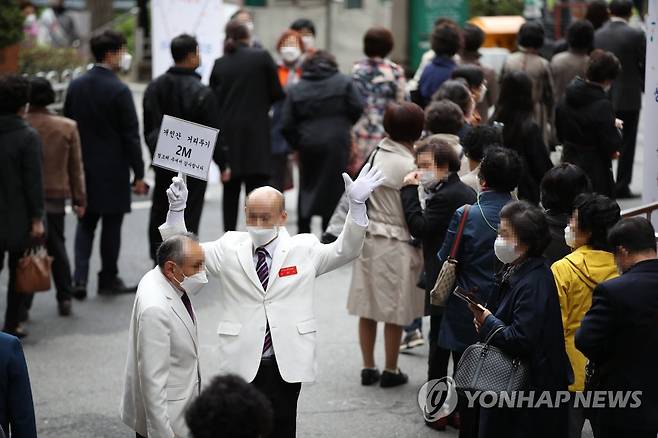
[[445, 282], [484, 367]]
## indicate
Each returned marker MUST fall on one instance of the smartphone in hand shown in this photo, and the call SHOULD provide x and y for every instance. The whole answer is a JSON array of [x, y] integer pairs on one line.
[[469, 297]]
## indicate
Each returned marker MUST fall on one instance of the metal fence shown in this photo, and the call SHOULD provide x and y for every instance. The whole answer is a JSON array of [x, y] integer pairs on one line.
[[60, 82]]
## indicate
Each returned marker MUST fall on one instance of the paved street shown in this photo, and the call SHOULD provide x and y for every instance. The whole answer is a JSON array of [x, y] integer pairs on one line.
[[76, 364]]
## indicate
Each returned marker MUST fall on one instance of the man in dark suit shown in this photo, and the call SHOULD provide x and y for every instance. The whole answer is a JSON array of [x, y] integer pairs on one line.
[[629, 45], [246, 84], [16, 407], [619, 334], [103, 107], [178, 93], [21, 193]]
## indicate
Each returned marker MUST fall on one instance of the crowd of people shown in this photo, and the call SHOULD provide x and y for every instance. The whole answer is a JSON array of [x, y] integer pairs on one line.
[[451, 166]]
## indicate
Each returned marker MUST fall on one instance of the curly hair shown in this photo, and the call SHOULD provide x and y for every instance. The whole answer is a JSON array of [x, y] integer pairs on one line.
[[230, 408], [14, 93], [501, 169], [529, 225], [597, 214]]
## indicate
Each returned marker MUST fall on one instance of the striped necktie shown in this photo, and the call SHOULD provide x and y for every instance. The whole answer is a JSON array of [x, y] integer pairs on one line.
[[264, 275]]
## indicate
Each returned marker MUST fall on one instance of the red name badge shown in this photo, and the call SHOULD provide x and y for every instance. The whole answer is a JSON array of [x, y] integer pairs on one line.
[[290, 270]]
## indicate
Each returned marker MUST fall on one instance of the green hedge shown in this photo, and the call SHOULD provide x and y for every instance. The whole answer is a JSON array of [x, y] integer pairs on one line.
[[11, 23], [496, 7], [35, 59]]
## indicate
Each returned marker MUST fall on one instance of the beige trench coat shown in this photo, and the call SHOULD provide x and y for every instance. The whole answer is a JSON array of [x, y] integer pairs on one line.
[[384, 278]]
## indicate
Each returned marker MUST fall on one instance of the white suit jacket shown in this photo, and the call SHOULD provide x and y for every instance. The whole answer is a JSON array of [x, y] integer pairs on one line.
[[162, 369], [287, 304]]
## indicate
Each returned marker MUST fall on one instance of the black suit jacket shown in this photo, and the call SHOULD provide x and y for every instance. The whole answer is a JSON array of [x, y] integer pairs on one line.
[[179, 93], [103, 107], [246, 84], [629, 45], [16, 406], [21, 193], [430, 226], [620, 334]]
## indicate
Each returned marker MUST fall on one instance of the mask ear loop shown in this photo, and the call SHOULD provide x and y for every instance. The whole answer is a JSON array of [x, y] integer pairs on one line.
[[483, 215]]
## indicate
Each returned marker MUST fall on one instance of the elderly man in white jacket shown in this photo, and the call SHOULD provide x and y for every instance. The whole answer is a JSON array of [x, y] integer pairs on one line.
[[162, 369], [266, 327]]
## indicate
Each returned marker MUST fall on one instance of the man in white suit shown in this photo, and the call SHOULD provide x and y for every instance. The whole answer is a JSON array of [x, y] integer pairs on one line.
[[162, 370], [266, 329]]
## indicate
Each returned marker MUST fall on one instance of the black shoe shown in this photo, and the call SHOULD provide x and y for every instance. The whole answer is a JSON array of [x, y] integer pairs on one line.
[[390, 379], [625, 193], [79, 291], [369, 376], [17, 331], [115, 286], [64, 308]]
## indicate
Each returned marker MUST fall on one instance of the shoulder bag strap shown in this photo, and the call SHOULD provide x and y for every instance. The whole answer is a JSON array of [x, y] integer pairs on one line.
[[460, 231], [493, 333]]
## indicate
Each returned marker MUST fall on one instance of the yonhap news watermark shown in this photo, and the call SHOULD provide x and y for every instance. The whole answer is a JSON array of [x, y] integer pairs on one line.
[[438, 398]]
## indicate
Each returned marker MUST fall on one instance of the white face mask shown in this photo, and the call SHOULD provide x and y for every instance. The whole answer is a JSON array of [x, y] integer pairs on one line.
[[250, 27], [309, 42], [290, 54], [126, 61], [570, 236], [428, 178], [262, 236], [505, 250], [194, 283]]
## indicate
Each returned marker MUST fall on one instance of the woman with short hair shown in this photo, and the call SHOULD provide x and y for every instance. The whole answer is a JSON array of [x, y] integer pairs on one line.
[[576, 276], [384, 278], [380, 82], [522, 318]]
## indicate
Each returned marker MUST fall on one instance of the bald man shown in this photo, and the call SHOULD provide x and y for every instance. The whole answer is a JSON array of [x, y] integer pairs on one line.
[[267, 328], [162, 369]]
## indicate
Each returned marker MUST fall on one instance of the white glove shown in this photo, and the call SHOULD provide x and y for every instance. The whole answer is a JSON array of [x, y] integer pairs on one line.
[[359, 191], [177, 194]]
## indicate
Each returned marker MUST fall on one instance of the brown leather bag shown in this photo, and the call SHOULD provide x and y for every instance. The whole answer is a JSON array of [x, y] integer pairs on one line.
[[33, 271]]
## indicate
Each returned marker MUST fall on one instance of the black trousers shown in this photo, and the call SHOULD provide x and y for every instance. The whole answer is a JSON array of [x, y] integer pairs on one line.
[[16, 310], [437, 363], [61, 269], [110, 245], [282, 395], [160, 206], [627, 157], [232, 196], [468, 416], [304, 223], [279, 170]]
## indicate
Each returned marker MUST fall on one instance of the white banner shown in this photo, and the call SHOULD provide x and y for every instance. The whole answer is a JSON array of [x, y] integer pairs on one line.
[[204, 19], [650, 110]]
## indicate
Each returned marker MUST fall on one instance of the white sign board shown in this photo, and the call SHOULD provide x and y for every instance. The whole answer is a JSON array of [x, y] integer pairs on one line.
[[203, 19], [650, 110], [185, 147]]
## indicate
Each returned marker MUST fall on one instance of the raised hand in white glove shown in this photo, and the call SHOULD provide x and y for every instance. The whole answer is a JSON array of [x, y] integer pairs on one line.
[[177, 194], [359, 190]]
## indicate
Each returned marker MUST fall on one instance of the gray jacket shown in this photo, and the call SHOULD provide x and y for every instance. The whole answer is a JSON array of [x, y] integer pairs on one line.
[[629, 45]]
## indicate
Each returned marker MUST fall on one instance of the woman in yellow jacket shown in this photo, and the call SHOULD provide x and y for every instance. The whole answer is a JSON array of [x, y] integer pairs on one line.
[[577, 274]]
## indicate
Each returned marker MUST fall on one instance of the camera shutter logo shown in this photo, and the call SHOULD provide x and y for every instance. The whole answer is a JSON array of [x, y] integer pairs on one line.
[[437, 398]]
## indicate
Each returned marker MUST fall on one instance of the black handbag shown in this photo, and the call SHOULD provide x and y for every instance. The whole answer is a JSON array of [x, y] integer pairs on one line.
[[484, 367]]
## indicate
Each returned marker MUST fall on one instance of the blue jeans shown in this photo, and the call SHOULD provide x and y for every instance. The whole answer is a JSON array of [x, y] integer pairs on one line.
[[416, 324]]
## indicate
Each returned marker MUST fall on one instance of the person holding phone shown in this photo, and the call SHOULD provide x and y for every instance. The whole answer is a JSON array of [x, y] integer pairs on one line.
[[525, 304]]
